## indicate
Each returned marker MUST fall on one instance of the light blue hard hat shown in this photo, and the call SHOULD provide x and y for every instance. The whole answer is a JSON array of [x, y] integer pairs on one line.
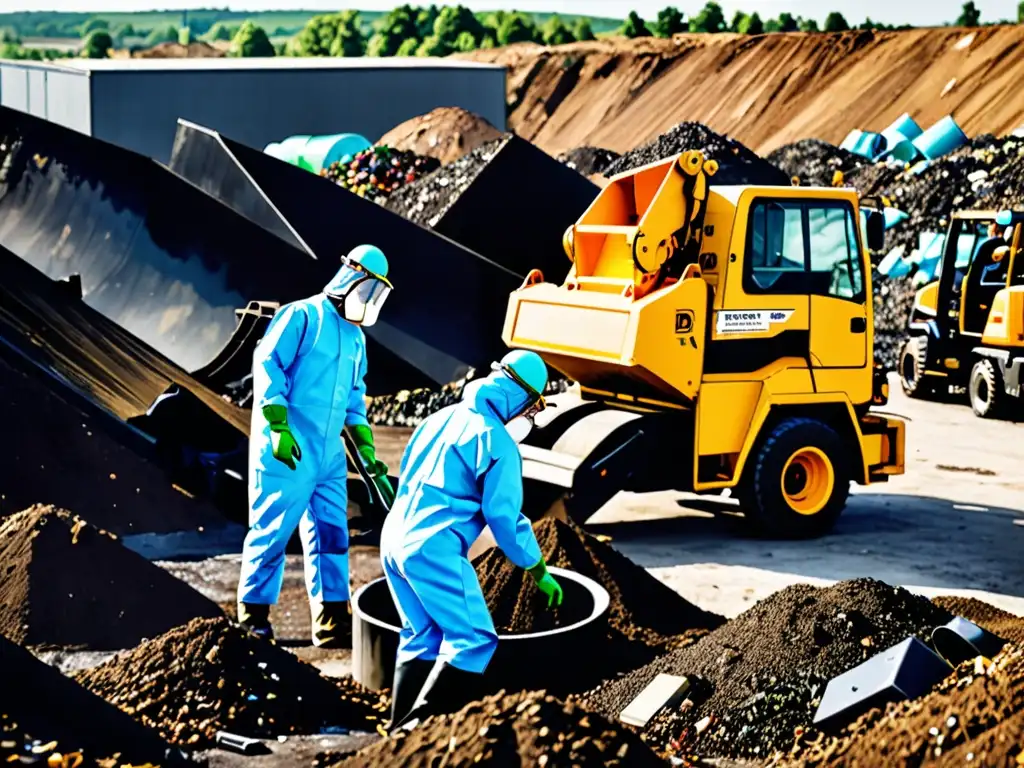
[[529, 367], [371, 258]]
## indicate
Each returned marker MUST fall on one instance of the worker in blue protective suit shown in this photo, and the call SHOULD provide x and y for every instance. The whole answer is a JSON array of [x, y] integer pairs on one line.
[[461, 471], [308, 385]]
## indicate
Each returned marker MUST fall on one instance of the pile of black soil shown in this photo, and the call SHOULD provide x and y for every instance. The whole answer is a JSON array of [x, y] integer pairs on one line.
[[45, 716], [815, 162], [69, 584], [760, 677], [523, 729], [589, 160], [736, 163], [212, 675], [426, 200], [893, 300], [645, 617]]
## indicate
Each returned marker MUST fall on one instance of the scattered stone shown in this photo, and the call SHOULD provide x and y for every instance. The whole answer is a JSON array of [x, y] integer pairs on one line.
[[815, 162], [589, 160]]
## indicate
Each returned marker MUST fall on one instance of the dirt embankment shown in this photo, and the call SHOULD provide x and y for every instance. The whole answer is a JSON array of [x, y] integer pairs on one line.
[[766, 91]]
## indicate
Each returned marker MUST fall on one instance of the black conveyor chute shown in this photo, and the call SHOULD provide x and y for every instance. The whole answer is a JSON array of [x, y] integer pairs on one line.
[[448, 307]]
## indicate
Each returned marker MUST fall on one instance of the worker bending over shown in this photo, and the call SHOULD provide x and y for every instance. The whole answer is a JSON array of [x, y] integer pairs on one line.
[[308, 385], [461, 471]]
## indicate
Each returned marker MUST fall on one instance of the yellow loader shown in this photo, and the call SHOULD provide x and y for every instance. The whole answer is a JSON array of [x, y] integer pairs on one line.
[[720, 337]]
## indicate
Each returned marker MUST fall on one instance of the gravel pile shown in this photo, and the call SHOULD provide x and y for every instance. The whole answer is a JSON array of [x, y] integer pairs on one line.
[[815, 162], [426, 200], [760, 676], [893, 299], [379, 171], [736, 163], [523, 729], [68, 584], [589, 160], [212, 675]]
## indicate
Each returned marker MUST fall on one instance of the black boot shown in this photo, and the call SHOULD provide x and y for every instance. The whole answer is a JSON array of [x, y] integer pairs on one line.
[[332, 625], [447, 690], [405, 691], [256, 618]]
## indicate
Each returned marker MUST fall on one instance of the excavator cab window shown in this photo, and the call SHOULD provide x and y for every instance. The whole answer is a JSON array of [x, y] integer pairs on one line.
[[777, 249]]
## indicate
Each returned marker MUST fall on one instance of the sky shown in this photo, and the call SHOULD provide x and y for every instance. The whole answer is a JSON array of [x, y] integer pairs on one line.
[[917, 12]]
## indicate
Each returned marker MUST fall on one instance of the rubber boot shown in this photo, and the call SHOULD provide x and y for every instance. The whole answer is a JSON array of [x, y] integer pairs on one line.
[[332, 625], [405, 690], [447, 690], [256, 618]]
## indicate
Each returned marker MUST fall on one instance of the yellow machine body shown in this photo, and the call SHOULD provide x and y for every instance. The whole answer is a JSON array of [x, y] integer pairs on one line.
[[1005, 325], [729, 304]]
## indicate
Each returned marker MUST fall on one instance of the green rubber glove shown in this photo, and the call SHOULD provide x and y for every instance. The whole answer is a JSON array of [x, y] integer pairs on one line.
[[286, 447], [363, 438], [546, 583]]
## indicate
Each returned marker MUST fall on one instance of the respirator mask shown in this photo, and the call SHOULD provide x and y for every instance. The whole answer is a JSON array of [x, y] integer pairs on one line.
[[361, 301], [519, 427]]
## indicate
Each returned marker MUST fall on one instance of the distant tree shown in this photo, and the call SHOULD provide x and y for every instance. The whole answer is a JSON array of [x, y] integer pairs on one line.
[[710, 18], [582, 30], [98, 45], [165, 34], [337, 34], [220, 31], [281, 49], [9, 36], [47, 29], [453, 20], [125, 30], [1020, 12], [425, 21], [185, 36], [970, 16], [465, 42], [408, 47], [634, 26], [555, 32], [836, 22], [738, 19], [669, 22], [433, 46], [251, 41], [517, 28], [488, 41], [809, 25], [94, 24], [394, 29], [752, 25], [785, 23]]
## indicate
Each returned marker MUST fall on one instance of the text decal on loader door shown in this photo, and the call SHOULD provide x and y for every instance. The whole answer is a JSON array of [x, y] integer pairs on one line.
[[749, 320]]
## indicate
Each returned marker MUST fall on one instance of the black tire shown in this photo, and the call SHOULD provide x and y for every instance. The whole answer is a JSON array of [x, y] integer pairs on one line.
[[912, 365], [773, 512], [988, 397]]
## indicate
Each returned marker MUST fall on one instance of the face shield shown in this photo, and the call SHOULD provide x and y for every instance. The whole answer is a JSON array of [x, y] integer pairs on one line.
[[362, 300]]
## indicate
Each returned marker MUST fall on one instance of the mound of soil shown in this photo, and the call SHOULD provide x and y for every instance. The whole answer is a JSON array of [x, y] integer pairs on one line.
[[814, 161], [196, 50], [760, 676], [212, 675], [67, 583], [524, 729], [426, 200], [446, 133], [997, 621], [736, 163], [589, 160]]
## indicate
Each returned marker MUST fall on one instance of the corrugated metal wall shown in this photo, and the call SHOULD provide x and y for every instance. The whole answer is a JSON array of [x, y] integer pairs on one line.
[[139, 109], [53, 94]]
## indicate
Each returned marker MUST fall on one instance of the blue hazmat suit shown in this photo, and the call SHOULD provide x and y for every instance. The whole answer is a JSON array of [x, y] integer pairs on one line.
[[313, 362], [461, 471]]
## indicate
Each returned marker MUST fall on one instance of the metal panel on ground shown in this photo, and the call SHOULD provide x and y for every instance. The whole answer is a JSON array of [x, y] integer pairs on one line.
[[517, 209], [448, 307]]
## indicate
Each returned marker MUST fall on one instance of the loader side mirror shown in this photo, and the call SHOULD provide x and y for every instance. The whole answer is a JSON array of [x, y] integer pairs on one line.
[[875, 230]]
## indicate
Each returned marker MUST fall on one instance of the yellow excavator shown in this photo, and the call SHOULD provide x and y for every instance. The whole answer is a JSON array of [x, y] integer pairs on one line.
[[719, 337]]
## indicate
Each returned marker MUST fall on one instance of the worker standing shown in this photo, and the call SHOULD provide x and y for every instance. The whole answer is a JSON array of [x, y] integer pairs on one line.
[[308, 385], [461, 471]]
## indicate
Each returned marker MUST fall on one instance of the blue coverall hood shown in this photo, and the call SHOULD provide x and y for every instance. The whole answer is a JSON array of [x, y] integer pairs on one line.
[[498, 394]]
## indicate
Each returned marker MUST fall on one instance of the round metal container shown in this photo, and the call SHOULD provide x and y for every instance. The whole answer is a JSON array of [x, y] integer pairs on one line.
[[521, 662]]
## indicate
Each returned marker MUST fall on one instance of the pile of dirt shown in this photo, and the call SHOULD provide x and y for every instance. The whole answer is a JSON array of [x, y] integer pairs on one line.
[[196, 50], [446, 133], [212, 675], [67, 583], [426, 200], [815, 162], [523, 729], [589, 160], [760, 676], [736, 163]]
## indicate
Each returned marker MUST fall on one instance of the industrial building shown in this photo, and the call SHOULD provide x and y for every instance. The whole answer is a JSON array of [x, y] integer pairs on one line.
[[136, 103]]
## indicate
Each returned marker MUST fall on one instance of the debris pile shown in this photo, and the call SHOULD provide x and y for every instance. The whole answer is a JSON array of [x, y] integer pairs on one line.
[[69, 584], [736, 163], [426, 200], [815, 162], [212, 675], [447, 133], [523, 729], [589, 160], [893, 300], [756, 681], [377, 172]]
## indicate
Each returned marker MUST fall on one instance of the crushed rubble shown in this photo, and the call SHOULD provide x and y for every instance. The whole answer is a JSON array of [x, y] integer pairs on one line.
[[589, 160], [522, 729], [760, 676], [736, 163], [212, 675], [377, 172], [71, 585], [815, 162]]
